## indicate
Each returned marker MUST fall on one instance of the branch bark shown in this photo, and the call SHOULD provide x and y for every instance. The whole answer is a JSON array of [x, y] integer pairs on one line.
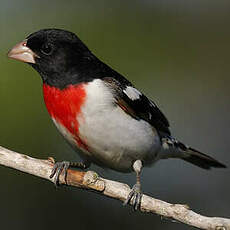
[[90, 180]]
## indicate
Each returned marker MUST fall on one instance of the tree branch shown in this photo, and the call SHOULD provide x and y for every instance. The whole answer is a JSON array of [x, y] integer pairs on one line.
[[90, 180]]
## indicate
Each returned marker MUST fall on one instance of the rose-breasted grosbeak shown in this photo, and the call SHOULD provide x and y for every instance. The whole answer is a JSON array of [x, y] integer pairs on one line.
[[99, 111]]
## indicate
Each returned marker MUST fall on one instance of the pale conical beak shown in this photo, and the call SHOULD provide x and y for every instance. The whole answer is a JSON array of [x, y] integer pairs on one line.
[[22, 53]]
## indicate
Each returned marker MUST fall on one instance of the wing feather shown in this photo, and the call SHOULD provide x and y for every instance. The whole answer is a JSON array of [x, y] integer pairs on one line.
[[137, 105]]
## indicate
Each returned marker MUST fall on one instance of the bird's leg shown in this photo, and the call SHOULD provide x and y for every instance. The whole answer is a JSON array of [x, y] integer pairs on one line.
[[63, 166], [136, 193]]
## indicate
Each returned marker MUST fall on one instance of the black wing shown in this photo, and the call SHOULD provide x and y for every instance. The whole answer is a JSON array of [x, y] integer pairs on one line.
[[138, 105]]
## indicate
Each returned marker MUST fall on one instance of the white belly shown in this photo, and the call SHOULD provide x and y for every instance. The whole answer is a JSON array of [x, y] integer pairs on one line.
[[114, 138]]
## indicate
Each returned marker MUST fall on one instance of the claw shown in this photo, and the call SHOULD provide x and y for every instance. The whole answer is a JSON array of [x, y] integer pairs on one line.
[[57, 170], [63, 166], [134, 195]]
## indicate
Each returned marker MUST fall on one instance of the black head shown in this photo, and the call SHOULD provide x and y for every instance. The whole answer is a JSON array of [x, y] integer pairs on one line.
[[59, 56]]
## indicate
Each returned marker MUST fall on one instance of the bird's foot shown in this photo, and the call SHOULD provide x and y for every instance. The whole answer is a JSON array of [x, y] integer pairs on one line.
[[57, 170], [63, 166], [135, 196]]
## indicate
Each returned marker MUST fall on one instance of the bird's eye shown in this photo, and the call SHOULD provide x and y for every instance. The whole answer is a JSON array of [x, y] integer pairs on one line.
[[47, 49]]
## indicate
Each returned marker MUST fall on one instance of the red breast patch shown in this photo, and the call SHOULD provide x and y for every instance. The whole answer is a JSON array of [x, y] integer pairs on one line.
[[65, 106]]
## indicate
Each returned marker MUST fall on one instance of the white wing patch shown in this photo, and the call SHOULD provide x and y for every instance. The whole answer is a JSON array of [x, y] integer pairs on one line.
[[132, 93]]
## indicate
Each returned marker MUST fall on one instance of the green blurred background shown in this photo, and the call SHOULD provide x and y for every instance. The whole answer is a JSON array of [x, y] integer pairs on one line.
[[177, 52]]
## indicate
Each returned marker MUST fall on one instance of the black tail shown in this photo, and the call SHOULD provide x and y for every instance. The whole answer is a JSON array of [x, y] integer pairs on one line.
[[201, 160], [172, 148]]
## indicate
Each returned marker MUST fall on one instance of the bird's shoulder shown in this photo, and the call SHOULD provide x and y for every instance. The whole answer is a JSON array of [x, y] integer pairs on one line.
[[136, 104]]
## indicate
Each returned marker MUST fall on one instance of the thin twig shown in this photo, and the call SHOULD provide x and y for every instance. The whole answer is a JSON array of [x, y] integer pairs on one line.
[[90, 180]]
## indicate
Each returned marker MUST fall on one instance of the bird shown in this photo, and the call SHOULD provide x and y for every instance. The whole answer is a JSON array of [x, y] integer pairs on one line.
[[101, 114]]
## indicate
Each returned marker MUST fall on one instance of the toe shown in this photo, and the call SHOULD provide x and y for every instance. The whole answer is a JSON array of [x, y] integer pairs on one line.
[[135, 195], [54, 169], [129, 197], [65, 168], [138, 201], [57, 170]]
